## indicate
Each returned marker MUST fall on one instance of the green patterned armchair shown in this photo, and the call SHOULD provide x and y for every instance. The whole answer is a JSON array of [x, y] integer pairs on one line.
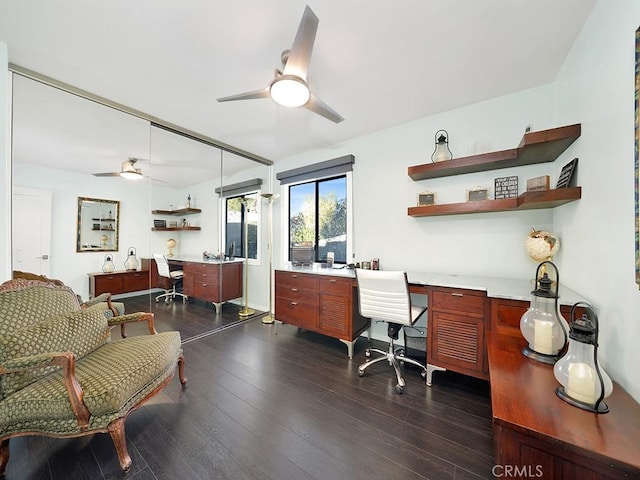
[[62, 376]]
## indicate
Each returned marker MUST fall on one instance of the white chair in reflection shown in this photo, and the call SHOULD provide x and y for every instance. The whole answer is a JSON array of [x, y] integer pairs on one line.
[[175, 279], [384, 296]]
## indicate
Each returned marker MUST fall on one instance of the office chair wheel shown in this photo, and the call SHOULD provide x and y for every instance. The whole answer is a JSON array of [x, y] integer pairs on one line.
[[360, 372], [398, 388], [367, 353]]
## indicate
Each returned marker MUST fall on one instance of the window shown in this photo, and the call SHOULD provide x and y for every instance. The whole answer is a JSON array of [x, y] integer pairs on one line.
[[318, 217], [241, 210]]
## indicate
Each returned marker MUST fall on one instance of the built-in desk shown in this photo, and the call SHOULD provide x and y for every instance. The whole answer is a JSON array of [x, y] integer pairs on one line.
[[474, 328], [458, 315], [215, 281]]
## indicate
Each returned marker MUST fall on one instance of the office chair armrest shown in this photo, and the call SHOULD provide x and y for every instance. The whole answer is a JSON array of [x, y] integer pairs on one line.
[[122, 320]]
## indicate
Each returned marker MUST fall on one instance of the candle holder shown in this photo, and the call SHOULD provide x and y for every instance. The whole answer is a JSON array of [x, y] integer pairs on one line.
[[584, 384], [108, 265], [441, 152], [542, 325], [132, 262]]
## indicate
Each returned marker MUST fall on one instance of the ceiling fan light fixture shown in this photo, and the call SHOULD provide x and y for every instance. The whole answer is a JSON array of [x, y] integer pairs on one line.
[[131, 174], [290, 91]]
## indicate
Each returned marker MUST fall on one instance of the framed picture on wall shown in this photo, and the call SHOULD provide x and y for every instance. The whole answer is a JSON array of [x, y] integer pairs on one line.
[[426, 199]]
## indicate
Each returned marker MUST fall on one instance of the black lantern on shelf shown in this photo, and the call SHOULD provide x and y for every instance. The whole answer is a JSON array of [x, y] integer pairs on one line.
[[542, 325], [584, 384], [132, 262], [441, 152], [108, 265]]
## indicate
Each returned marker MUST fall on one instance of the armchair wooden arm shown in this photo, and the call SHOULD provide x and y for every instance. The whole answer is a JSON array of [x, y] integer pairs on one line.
[[122, 320], [67, 361]]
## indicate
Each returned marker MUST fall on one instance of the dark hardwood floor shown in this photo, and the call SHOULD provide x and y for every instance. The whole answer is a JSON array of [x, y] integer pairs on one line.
[[274, 402]]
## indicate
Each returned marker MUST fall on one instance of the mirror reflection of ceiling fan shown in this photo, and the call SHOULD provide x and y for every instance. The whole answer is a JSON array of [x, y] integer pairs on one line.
[[290, 87], [129, 171]]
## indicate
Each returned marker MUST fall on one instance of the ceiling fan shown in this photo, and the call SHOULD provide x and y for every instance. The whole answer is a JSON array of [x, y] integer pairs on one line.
[[128, 170], [290, 87]]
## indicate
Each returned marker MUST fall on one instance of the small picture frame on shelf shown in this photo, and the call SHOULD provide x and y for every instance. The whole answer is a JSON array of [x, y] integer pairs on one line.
[[538, 184], [567, 174], [505, 187], [173, 224], [426, 199], [159, 223], [477, 194]]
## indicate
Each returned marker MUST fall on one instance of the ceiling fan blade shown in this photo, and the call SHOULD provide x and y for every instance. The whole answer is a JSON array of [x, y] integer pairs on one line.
[[156, 180], [300, 54], [107, 174], [262, 93], [318, 106]]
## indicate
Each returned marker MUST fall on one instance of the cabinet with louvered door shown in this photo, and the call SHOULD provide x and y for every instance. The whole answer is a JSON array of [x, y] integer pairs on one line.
[[456, 330], [334, 303]]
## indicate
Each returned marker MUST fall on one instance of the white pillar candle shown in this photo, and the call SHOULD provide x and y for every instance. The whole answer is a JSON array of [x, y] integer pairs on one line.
[[543, 337], [581, 385]]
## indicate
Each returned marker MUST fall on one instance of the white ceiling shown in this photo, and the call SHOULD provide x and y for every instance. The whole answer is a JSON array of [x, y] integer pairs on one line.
[[378, 64]]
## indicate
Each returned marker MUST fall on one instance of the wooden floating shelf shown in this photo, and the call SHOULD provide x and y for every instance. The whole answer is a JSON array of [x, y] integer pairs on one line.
[[181, 211], [526, 201], [535, 147], [172, 229]]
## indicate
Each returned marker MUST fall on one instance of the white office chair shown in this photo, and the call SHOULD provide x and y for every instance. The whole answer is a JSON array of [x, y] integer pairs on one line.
[[384, 296], [175, 277]]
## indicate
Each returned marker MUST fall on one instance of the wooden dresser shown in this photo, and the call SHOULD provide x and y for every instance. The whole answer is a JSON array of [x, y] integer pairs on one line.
[[320, 302], [119, 282]]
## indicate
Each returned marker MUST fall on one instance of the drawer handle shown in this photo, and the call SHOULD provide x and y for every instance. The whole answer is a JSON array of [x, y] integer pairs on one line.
[[332, 281], [457, 295], [205, 284], [294, 276], [294, 289], [293, 304]]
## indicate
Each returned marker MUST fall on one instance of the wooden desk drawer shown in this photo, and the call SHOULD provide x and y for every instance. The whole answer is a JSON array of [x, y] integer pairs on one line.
[[296, 280], [136, 281], [298, 313], [109, 283], [467, 301], [335, 286]]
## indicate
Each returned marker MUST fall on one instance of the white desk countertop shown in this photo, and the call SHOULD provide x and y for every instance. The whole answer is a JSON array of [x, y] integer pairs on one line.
[[507, 288]]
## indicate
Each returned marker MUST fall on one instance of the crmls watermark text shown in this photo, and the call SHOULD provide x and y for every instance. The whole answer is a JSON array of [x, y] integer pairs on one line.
[[517, 471]]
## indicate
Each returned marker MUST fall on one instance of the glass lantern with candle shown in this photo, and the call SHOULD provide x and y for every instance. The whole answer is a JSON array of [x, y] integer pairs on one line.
[[542, 325], [132, 261], [441, 152], [584, 383]]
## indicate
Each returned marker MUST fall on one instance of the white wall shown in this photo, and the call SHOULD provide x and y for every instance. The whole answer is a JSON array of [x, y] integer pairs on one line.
[[596, 87], [5, 168]]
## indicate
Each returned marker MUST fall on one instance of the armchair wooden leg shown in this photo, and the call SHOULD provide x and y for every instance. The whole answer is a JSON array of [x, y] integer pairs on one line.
[[116, 430], [183, 380], [4, 455]]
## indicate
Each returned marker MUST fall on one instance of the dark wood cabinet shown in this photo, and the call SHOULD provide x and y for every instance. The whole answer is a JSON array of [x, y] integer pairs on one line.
[[212, 282], [119, 282], [506, 314], [322, 303], [456, 326]]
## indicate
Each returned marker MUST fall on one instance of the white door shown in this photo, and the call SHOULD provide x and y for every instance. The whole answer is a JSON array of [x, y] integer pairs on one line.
[[31, 230]]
